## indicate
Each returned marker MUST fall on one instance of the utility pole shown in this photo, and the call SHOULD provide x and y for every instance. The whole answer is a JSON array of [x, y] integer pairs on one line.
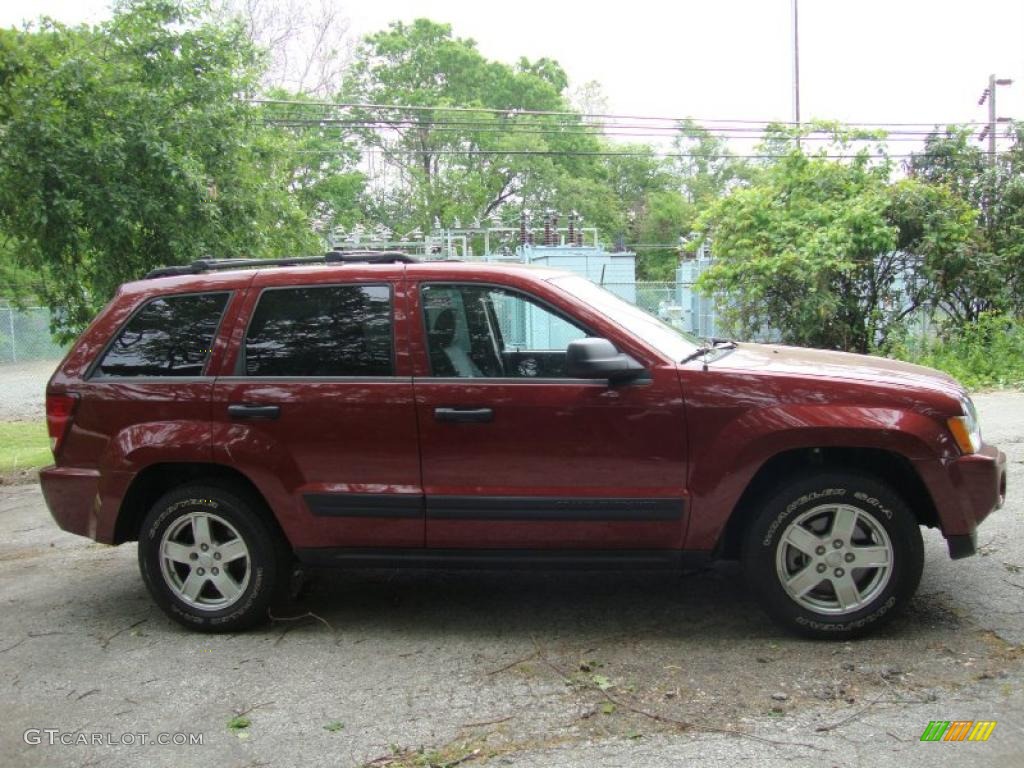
[[989, 131], [796, 63]]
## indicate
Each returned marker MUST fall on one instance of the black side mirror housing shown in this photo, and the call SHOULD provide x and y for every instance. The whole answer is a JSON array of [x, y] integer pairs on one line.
[[595, 358]]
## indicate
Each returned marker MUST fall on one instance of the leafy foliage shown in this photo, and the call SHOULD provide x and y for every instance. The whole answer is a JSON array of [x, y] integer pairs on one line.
[[133, 143], [447, 156], [983, 354], [822, 250], [124, 146], [975, 279]]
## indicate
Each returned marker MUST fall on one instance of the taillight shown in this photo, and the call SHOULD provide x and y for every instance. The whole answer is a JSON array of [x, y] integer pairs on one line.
[[59, 409]]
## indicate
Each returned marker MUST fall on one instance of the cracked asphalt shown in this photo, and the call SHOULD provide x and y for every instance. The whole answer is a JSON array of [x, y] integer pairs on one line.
[[524, 669]]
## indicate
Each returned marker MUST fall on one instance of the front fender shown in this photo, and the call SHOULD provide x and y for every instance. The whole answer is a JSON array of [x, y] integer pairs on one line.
[[725, 461]]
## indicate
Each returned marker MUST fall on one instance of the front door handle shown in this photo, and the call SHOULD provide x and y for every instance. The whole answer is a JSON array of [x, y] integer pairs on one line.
[[250, 411], [464, 415]]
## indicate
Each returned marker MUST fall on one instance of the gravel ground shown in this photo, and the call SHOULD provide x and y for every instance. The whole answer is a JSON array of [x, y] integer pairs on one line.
[[514, 669], [23, 390]]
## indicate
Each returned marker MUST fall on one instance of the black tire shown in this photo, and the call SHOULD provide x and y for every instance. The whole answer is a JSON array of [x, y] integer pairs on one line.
[[883, 529], [255, 582]]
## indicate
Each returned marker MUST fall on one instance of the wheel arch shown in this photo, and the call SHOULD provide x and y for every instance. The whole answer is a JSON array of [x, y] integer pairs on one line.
[[890, 467], [155, 480]]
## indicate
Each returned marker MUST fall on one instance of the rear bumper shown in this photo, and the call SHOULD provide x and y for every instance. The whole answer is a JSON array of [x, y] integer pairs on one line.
[[966, 491], [73, 498]]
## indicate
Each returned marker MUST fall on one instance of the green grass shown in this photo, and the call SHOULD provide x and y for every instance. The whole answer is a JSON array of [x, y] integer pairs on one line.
[[23, 445]]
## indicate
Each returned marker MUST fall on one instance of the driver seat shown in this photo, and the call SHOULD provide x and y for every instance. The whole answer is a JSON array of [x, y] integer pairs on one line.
[[446, 357]]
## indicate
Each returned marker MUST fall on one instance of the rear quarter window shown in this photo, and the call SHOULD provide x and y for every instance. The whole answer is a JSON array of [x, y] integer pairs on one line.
[[168, 336]]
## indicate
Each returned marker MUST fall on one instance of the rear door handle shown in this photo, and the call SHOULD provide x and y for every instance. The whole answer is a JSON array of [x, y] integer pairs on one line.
[[250, 411], [464, 415]]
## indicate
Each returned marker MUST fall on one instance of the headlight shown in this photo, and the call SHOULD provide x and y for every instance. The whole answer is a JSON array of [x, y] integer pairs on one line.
[[965, 429]]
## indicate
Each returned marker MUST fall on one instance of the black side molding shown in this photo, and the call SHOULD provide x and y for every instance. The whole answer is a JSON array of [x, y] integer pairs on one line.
[[495, 508], [390, 505], [555, 508], [503, 559]]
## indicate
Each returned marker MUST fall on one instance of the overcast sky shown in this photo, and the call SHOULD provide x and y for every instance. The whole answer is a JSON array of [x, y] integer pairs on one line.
[[873, 60]]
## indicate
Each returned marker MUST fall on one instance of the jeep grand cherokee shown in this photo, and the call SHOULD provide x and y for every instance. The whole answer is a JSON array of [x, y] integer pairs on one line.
[[235, 417]]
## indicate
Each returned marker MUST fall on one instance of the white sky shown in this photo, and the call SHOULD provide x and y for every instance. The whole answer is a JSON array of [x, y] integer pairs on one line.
[[873, 60]]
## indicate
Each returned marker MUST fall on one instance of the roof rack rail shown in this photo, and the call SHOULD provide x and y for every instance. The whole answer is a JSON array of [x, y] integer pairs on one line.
[[331, 257]]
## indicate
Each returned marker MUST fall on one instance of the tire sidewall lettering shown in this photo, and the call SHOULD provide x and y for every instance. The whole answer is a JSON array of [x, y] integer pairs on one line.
[[261, 579], [768, 540]]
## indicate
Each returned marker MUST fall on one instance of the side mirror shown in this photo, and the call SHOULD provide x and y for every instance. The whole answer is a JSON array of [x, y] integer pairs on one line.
[[599, 359]]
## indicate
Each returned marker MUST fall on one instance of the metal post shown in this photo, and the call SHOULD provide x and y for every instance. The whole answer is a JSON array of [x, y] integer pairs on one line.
[[992, 119], [10, 322], [989, 130], [796, 63]]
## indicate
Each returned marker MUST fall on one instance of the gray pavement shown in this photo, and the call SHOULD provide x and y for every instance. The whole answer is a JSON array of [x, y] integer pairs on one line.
[[514, 669], [23, 389]]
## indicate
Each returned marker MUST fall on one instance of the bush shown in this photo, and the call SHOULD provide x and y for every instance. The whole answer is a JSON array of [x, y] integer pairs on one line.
[[986, 354]]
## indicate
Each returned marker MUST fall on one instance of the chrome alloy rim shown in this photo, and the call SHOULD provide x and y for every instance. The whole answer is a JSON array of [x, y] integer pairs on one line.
[[204, 561], [834, 559]]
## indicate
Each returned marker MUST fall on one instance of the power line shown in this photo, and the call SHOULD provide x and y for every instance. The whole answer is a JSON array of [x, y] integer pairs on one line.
[[619, 131], [422, 122], [513, 111], [596, 153]]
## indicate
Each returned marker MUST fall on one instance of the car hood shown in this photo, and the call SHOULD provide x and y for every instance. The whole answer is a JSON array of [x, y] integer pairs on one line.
[[820, 363]]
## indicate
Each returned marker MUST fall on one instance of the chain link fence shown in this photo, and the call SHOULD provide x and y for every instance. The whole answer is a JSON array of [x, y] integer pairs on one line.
[[25, 336]]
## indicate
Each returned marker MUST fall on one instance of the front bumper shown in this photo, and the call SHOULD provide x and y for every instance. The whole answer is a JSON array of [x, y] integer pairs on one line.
[[965, 491]]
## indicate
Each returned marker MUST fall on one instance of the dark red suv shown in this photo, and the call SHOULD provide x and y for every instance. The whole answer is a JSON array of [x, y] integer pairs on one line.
[[370, 410]]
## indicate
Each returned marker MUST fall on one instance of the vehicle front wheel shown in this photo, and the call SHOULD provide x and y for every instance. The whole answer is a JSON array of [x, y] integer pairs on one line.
[[834, 555], [210, 558]]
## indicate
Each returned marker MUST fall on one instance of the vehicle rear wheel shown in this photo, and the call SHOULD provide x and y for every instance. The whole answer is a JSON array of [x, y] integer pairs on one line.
[[211, 560], [834, 555]]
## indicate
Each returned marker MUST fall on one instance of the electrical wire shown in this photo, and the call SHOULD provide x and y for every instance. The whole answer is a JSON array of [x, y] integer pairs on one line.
[[618, 131], [600, 153], [512, 111]]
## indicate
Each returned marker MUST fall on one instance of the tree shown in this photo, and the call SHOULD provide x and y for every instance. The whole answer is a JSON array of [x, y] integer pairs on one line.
[[1007, 215], [456, 164], [668, 217], [124, 146], [306, 44], [706, 167], [986, 275], [830, 252], [589, 99], [318, 161]]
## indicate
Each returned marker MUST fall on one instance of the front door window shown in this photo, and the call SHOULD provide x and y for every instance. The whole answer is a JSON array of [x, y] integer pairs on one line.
[[481, 331]]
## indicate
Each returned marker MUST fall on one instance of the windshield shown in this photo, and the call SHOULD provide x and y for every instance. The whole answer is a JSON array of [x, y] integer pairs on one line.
[[666, 339]]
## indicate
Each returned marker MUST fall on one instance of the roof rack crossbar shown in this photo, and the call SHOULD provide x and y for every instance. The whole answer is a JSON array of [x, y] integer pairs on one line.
[[331, 257]]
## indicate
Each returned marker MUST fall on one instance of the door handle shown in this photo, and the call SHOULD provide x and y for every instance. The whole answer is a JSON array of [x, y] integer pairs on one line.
[[249, 411], [464, 415]]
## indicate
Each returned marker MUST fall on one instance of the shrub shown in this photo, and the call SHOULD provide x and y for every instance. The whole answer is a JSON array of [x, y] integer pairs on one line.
[[985, 354]]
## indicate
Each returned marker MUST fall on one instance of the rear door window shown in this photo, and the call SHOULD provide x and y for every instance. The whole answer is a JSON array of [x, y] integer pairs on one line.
[[169, 336], [315, 331]]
